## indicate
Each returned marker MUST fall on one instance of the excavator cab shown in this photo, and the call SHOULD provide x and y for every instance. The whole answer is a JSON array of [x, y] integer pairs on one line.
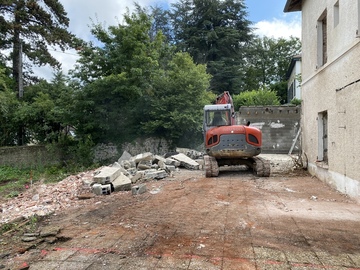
[[217, 115]]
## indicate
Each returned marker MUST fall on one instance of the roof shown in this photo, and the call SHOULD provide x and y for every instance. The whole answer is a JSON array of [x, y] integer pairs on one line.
[[293, 5]]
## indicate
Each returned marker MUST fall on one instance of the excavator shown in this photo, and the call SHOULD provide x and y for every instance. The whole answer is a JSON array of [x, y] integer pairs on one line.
[[229, 144]]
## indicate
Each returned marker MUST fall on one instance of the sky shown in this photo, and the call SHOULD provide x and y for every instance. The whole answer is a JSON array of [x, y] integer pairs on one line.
[[267, 17]]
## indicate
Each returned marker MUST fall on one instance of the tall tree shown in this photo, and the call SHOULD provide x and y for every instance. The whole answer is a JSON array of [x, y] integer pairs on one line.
[[175, 107], [116, 75], [31, 26], [215, 33]]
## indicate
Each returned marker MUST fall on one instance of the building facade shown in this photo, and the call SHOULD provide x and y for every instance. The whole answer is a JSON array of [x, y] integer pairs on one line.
[[331, 90], [293, 76]]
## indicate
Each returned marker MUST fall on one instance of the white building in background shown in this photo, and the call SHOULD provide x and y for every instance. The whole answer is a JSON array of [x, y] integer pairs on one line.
[[330, 90], [293, 76]]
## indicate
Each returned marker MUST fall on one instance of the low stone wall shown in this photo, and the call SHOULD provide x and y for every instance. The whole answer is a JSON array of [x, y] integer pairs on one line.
[[153, 145], [28, 156], [279, 126], [109, 152]]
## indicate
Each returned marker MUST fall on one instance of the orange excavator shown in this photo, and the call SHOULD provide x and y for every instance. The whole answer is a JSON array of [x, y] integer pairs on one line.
[[228, 144]]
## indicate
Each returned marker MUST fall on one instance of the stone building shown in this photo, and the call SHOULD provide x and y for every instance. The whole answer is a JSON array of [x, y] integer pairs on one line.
[[331, 90]]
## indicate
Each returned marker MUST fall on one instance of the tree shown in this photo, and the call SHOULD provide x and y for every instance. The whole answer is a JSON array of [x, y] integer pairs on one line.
[[31, 26], [46, 110], [176, 105], [8, 107], [268, 61], [115, 76], [134, 85], [214, 33]]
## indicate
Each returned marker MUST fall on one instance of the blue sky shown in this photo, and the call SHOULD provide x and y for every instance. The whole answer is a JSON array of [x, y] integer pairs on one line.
[[260, 10]]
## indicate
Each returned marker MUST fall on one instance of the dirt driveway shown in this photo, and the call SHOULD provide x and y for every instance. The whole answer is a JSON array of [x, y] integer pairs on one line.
[[235, 221]]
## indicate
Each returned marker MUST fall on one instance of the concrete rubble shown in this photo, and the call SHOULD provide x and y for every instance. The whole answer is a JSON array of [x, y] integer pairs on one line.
[[129, 173], [137, 169]]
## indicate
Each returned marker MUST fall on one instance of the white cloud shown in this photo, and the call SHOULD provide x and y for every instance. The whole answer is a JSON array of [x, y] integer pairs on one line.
[[278, 28]]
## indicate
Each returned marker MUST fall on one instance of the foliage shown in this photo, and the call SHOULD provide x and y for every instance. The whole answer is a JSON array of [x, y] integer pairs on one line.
[[214, 33], [33, 25], [8, 108], [268, 62], [135, 86], [255, 98], [77, 152], [46, 109], [177, 101], [296, 101]]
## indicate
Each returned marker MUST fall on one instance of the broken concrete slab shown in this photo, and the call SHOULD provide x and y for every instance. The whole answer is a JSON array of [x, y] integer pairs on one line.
[[143, 156], [144, 165], [191, 153], [186, 162], [158, 158], [138, 189], [171, 161], [125, 156], [138, 175], [107, 175], [121, 183], [155, 174]]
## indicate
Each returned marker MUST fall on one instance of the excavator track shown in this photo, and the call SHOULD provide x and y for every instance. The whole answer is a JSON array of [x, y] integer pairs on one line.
[[261, 167], [211, 166]]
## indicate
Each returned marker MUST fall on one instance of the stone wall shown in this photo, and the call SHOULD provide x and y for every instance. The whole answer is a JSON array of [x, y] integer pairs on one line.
[[28, 156], [153, 145], [110, 152], [279, 126]]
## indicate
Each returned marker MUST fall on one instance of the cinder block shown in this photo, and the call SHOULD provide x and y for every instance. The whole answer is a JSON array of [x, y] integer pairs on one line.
[[100, 189]]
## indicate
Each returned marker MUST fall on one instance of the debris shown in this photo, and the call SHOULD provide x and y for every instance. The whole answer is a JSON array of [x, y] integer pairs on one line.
[[83, 188], [136, 190]]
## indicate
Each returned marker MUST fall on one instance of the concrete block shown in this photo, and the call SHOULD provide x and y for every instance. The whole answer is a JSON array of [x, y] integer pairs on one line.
[[100, 189], [121, 183], [125, 156], [155, 174], [144, 165], [158, 158], [143, 156], [171, 161], [138, 175], [128, 164], [138, 189], [107, 175], [170, 168], [186, 162]]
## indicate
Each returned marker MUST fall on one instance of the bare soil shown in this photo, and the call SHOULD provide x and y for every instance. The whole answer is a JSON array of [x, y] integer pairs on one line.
[[234, 221]]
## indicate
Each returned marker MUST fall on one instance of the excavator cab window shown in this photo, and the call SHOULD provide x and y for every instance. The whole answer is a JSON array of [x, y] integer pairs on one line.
[[218, 118]]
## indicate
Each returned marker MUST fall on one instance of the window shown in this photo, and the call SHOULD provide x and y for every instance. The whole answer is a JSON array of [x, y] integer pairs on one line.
[[323, 136], [336, 14], [322, 40]]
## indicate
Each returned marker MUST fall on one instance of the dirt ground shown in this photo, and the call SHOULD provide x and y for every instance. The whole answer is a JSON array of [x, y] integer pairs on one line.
[[235, 221]]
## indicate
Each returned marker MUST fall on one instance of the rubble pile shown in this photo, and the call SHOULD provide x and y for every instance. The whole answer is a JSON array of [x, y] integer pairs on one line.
[[129, 173]]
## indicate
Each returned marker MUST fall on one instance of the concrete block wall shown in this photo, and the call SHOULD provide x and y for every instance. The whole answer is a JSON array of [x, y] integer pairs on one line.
[[279, 126]]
